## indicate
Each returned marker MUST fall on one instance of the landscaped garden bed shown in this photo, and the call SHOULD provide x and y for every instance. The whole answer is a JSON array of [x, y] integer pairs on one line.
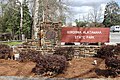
[[33, 63]]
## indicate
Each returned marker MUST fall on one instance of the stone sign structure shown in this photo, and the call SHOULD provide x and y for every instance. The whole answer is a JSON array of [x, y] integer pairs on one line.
[[51, 32], [90, 35]]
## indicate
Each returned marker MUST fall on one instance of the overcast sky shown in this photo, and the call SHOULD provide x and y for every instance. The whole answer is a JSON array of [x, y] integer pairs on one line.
[[80, 8]]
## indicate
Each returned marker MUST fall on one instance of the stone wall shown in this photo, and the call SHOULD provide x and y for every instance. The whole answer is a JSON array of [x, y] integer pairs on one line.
[[84, 50], [80, 50]]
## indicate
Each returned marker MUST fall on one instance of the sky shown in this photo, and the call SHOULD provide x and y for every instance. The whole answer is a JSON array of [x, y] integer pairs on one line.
[[81, 8]]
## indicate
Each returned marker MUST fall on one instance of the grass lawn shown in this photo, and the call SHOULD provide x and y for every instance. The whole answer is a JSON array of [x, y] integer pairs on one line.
[[12, 43]]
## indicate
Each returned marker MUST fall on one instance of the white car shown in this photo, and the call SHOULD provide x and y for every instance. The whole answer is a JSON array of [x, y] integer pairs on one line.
[[115, 28]]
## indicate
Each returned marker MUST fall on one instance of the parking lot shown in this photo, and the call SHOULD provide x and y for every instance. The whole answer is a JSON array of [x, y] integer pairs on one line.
[[114, 37]]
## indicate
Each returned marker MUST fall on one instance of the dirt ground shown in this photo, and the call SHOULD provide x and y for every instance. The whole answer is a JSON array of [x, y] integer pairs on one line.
[[78, 68], [84, 68], [15, 68]]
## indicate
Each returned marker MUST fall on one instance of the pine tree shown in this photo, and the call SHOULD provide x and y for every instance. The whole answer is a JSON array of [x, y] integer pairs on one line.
[[27, 21], [10, 19], [112, 14]]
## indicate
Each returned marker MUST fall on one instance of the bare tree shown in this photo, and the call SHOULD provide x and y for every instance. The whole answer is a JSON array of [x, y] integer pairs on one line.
[[95, 15], [47, 10], [52, 10], [35, 18], [86, 18]]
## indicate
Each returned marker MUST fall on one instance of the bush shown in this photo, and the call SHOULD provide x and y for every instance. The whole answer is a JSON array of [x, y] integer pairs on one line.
[[113, 65], [50, 64], [117, 50], [106, 51], [111, 54], [68, 52], [29, 55], [6, 52]]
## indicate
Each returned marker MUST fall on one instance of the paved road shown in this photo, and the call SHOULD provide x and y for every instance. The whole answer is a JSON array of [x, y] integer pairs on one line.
[[115, 37]]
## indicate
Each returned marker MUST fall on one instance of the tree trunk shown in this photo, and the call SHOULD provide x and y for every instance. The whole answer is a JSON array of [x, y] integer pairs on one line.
[[35, 19]]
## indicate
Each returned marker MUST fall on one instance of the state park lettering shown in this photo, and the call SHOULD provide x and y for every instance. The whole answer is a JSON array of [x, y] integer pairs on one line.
[[84, 37], [84, 32], [91, 35]]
